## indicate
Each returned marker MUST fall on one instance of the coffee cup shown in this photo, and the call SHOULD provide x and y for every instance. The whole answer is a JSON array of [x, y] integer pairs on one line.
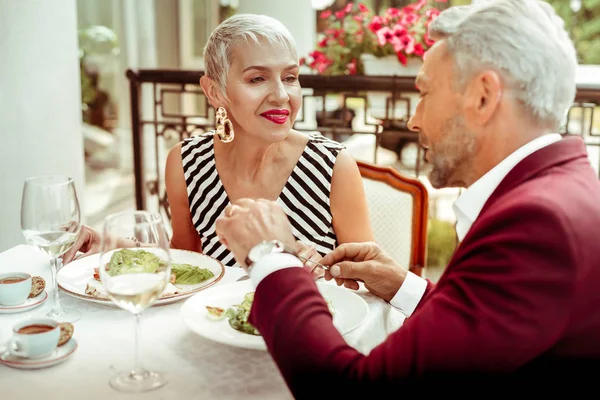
[[34, 338], [14, 288]]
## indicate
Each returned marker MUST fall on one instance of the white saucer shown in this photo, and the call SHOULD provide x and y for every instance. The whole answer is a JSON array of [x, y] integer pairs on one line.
[[60, 354], [28, 305]]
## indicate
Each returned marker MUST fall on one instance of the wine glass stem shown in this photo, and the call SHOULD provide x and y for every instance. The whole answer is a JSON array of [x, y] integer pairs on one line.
[[56, 307], [138, 369]]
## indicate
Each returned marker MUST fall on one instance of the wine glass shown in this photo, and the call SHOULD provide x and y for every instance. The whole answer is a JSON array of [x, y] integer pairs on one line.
[[135, 267], [50, 221]]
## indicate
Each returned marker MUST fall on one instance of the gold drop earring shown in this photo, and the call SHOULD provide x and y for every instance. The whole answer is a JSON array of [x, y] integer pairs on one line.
[[224, 126]]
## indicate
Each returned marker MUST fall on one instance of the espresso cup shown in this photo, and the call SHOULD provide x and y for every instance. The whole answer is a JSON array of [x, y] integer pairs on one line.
[[14, 288], [34, 338]]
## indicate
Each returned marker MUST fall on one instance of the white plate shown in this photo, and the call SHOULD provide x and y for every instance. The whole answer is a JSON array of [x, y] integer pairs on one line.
[[350, 310], [59, 355], [28, 305], [74, 277]]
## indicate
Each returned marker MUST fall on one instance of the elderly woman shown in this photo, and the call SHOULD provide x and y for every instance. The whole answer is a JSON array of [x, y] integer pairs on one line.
[[252, 82]]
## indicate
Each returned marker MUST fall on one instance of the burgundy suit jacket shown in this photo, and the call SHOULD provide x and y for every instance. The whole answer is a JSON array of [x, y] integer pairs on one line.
[[520, 297]]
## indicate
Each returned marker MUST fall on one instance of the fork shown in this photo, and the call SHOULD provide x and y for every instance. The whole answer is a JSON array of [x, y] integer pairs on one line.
[[303, 259], [317, 264]]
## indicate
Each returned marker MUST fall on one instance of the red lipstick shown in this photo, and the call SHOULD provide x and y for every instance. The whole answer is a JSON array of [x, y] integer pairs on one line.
[[278, 116]]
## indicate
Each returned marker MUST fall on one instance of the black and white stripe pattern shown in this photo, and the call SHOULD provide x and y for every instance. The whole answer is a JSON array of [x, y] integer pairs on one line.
[[304, 198]]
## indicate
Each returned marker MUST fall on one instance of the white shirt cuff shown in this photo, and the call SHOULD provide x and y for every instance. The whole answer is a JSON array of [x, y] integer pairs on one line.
[[271, 263], [409, 294]]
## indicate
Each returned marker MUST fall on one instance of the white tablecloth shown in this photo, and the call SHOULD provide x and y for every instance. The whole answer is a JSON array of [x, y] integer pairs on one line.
[[197, 368]]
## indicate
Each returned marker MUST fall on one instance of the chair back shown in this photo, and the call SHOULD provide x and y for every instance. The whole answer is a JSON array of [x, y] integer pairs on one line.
[[398, 207]]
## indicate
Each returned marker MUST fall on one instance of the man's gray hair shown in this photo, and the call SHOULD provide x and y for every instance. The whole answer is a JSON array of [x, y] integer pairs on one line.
[[524, 41], [237, 30]]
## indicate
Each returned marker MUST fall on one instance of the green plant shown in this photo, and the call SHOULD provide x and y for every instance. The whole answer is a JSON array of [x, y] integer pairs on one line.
[[355, 30], [96, 39], [441, 242], [584, 26]]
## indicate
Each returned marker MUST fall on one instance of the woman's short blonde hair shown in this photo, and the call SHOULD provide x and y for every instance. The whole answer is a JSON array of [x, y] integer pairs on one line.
[[237, 30]]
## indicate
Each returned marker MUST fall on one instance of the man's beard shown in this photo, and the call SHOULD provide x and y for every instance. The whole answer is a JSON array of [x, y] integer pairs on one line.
[[452, 155]]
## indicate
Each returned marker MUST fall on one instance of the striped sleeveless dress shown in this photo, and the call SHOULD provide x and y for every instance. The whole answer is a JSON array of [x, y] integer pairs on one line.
[[304, 198]]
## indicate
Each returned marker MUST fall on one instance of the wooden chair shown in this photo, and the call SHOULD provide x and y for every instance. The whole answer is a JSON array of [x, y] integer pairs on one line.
[[398, 206]]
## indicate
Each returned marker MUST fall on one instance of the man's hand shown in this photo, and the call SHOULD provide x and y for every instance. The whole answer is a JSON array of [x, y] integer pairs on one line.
[[247, 222], [88, 242], [366, 262]]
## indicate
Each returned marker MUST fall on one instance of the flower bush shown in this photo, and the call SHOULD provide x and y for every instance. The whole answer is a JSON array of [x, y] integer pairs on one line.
[[356, 30]]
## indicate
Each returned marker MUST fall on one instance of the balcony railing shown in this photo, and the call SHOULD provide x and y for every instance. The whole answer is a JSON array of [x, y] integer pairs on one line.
[[337, 106]]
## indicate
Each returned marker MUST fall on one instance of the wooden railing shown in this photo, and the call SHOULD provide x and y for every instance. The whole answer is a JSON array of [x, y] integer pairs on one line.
[[179, 110]]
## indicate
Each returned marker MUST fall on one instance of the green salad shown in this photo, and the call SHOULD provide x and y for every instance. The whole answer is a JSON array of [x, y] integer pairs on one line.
[[140, 261], [238, 316]]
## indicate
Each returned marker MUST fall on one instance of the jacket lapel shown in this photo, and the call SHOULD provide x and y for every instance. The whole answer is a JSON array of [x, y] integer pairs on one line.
[[568, 149]]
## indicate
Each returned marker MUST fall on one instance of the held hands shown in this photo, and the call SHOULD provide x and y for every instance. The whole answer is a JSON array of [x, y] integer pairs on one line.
[[247, 222], [366, 262]]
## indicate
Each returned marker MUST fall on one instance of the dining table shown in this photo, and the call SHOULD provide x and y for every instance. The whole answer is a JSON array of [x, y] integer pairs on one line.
[[196, 367]]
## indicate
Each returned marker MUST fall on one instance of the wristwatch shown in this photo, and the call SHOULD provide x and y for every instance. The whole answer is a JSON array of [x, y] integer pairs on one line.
[[264, 248]]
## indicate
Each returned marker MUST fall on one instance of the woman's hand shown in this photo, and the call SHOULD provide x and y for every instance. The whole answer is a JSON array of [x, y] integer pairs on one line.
[[88, 242], [247, 222], [310, 252]]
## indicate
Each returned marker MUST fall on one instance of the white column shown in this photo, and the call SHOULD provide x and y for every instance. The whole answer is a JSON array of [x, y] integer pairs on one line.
[[40, 102], [298, 16], [138, 42]]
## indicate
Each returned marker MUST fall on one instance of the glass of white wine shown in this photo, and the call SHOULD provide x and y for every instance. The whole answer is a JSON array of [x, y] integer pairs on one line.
[[135, 267], [50, 221]]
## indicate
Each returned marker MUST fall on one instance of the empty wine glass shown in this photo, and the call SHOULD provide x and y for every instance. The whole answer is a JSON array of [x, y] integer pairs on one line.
[[135, 267], [50, 221]]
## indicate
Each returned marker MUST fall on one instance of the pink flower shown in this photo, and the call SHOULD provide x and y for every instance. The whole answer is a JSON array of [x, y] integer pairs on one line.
[[418, 50], [408, 43], [377, 23], [432, 13], [420, 4], [428, 41], [409, 19], [321, 67], [385, 35], [401, 58], [399, 31], [393, 12], [351, 66], [333, 32], [318, 56]]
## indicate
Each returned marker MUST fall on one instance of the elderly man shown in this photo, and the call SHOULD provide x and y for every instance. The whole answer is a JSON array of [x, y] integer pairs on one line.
[[520, 299]]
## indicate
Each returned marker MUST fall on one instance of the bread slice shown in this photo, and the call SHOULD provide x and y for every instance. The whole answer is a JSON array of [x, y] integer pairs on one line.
[[38, 284], [66, 332]]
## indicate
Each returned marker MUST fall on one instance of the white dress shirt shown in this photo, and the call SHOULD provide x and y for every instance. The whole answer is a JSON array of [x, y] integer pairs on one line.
[[469, 204], [466, 208]]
